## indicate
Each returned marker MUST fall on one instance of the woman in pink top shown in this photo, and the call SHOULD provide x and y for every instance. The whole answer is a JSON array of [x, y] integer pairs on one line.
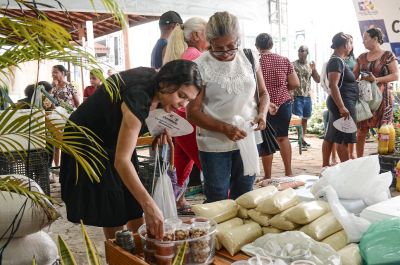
[[186, 42]]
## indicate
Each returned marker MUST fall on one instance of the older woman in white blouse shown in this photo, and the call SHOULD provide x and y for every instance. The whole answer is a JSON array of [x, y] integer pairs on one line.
[[230, 91]]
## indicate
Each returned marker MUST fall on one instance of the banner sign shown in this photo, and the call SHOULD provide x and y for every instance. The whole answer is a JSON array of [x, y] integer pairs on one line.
[[383, 14]]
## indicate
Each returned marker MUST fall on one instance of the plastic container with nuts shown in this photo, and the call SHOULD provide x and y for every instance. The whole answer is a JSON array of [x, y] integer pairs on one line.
[[199, 235]]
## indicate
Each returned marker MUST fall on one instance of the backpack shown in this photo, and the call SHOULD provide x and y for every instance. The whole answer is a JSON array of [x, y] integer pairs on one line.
[[324, 76]]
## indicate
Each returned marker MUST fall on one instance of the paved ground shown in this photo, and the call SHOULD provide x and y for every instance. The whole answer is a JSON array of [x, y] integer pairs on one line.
[[308, 163]]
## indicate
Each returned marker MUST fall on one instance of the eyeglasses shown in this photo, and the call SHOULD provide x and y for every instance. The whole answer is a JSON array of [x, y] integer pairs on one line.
[[228, 52]]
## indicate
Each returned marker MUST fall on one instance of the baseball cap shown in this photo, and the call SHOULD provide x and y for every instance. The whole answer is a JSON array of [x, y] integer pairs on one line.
[[170, 17]]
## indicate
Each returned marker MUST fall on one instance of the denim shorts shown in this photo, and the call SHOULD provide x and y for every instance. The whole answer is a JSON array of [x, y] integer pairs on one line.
[[302, 107], [280, 121]]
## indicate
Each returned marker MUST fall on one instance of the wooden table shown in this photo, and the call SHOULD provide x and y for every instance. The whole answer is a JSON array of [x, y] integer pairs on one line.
[[116, 255]]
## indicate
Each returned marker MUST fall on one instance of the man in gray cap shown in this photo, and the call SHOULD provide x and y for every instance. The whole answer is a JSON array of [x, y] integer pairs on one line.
[[167, 23]]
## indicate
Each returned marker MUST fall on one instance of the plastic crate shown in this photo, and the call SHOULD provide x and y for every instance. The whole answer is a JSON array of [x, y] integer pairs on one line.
[[35, 168], [146, 172], [388, 163]]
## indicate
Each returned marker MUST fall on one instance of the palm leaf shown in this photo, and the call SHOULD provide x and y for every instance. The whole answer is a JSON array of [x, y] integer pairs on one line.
[[21, 188], [91, 251], [65, 253]]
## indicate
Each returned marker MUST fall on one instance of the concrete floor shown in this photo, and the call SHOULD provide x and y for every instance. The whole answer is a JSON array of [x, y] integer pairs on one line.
[[308, 163]]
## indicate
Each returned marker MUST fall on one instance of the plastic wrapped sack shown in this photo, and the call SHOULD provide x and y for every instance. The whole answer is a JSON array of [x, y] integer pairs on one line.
[[354, 226], [356, 179], [237, 237], [279, 202], [32, 217], [307, 212], [270, 229], [322, 227], [21, 250], [350, 255], [291, 246], [223, 227], [280, 221], [242, 212], [251, 199], [337, 241], [248, 147], [380, 244], [219, 211], [260, 218]]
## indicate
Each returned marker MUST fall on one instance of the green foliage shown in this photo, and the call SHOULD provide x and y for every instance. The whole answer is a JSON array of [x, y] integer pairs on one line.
[[316, 124]]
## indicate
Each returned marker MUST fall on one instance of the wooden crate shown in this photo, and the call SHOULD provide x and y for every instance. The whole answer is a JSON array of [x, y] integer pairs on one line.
[[115, 255]]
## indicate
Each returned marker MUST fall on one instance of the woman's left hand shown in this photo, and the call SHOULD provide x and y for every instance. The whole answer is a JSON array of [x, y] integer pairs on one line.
[[164, 138], [260, 121], [370, 78]]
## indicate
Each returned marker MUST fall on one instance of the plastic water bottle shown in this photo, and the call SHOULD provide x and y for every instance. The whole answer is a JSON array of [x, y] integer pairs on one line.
[[392, 139], [383, 139]]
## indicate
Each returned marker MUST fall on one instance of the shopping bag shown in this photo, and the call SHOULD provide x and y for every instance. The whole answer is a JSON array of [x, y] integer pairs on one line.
[[247, 147], [363, 111], [163, 194], [376, 100]]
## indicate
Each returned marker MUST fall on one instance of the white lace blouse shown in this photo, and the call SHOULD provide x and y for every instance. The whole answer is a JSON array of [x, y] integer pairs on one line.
[[230, 89]]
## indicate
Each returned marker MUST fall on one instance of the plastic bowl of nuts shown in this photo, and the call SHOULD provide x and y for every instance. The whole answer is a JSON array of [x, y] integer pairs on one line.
[[199, 233]]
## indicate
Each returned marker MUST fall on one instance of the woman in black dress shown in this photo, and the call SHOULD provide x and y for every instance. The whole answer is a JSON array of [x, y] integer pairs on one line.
[[342, 100], [120, 196]]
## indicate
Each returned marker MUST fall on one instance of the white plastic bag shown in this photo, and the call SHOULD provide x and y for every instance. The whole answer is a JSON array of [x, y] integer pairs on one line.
[[163, 192], [353, 225], [248, 147], [291, 246], [356, 179]]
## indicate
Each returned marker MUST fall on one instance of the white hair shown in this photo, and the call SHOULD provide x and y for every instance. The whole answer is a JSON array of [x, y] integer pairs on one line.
[[194, 24]]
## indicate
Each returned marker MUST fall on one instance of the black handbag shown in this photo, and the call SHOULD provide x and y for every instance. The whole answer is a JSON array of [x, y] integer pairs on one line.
[[269, 144]]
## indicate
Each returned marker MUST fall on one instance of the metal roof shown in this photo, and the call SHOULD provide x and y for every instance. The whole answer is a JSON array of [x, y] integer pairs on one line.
[[103, 23]]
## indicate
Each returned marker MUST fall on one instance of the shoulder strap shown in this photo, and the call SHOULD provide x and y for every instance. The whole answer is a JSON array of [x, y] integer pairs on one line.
[[250, 57]]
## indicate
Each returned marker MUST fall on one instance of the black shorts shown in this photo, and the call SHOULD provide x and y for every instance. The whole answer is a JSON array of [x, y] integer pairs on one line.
[[281, 120]]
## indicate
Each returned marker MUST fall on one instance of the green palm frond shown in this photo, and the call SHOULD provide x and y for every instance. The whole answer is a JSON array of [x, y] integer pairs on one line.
[[66, 257], [33, 126], [26, 39], [91, 251], [20, 186]]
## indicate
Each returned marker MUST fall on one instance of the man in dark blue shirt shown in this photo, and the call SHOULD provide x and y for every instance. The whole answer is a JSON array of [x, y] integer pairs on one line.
[[167, 23]]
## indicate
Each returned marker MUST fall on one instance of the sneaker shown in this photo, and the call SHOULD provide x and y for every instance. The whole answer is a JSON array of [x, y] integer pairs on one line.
[[304, 143]]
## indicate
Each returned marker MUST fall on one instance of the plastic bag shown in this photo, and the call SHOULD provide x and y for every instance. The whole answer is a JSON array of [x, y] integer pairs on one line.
[[260, 218], [163, 192], [322, 227], [223, 227], [380, 244], [354, 226], [376, 100], [238, 236], [219, 211], [291, 246], [350, 255], [279, 202], [251, 199], [356, 179], [307, 212], [248, 147], [365, 91], [337, 241], [363, 111]]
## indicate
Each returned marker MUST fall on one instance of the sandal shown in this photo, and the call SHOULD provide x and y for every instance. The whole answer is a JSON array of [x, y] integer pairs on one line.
[[185, 210]]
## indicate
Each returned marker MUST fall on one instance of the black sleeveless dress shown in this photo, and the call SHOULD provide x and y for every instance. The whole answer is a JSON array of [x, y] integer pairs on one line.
[[108, 203]]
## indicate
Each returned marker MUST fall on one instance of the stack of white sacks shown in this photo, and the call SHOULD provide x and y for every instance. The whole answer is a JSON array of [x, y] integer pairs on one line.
[[267, 210], [21, 224]]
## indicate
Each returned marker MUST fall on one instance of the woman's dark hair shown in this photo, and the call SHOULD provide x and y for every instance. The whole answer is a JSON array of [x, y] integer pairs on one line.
[[264, 41], [61, 68], [340, 39], [177, 73], [376, 33], [47, 85], [28, 91]]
